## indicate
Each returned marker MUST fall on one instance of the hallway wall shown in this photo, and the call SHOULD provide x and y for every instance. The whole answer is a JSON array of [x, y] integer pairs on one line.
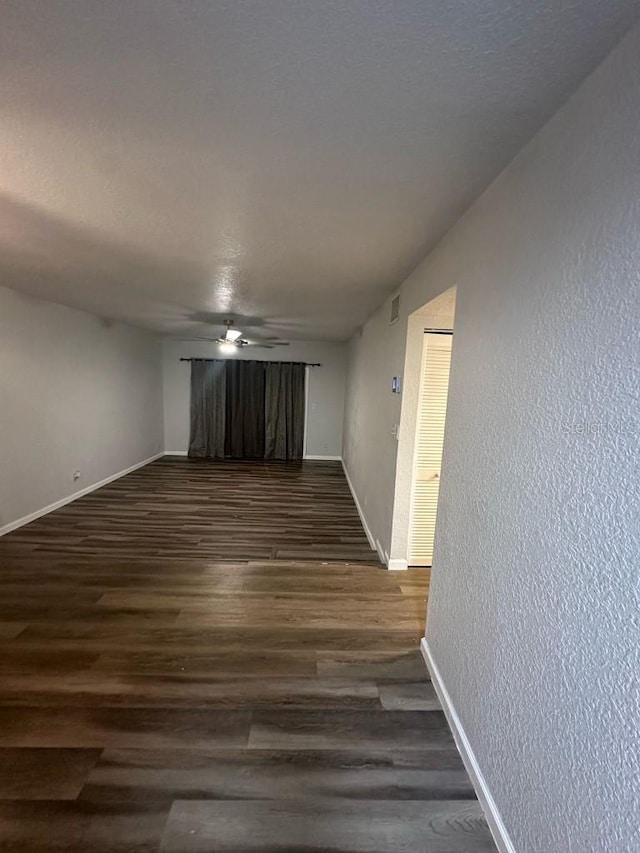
[[326, 389], [533, 615], [77, 393]]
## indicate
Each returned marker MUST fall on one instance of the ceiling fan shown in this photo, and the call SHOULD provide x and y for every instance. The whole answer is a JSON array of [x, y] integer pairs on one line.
[[233, 338]]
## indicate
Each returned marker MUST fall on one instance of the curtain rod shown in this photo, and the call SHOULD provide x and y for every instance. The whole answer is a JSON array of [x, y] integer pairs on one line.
[[261, 360]]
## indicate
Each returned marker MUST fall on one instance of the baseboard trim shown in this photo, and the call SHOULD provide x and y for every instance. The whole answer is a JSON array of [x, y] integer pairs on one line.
[[496, 825], [384, 557], [26, 519], [398, 565], [313, 458], [176, 453], [372, 542]]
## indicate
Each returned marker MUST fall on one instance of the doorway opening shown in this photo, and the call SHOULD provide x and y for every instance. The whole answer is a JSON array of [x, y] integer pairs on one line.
[[427, 457], [421, 434]]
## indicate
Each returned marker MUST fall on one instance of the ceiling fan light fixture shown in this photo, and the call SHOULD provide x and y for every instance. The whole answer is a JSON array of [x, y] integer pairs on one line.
[[232, 339]]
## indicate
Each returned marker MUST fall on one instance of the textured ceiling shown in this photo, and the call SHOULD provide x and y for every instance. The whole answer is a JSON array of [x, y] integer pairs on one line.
[[290, 160]]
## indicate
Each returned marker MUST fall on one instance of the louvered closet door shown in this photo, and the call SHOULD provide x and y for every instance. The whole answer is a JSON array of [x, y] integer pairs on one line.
[[432, 410]]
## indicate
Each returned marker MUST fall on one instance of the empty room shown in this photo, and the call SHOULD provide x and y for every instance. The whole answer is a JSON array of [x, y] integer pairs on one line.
[[319, 426]]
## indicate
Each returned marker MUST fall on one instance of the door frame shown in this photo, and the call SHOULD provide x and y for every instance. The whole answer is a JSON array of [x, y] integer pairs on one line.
[[438, 313], [414, 472]]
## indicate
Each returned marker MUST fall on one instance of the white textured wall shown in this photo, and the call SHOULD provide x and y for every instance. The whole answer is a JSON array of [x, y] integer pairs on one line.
[[326, 389], [533, 616], [76, 393], [371, 410]]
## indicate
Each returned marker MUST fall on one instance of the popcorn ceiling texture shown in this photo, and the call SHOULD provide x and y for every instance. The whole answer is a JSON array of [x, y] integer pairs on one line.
[[290, 159], [534, 611]]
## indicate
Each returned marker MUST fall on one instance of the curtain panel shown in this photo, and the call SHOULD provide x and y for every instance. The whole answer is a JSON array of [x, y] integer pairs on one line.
[[208, 406], [247, 409], [284, 406]]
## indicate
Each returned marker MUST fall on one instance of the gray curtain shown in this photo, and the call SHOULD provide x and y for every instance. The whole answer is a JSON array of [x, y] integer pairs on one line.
[[208, 406], [245, 409], [284, 410]]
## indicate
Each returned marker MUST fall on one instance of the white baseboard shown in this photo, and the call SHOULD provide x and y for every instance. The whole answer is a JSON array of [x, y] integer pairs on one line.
[[398, 565], [20, 522], [496, 825], [372, 542], [312, 458], [176, 453]]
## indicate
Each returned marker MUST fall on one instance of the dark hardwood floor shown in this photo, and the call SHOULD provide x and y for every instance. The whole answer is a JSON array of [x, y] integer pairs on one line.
[[158, 693], [179, 507]]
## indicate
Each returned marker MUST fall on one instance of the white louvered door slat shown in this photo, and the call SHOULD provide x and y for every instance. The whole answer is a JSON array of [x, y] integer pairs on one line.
[[432, 411]]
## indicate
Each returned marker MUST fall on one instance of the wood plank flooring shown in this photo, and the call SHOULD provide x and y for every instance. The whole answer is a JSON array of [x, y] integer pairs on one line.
[[158, 695], [236, 510]]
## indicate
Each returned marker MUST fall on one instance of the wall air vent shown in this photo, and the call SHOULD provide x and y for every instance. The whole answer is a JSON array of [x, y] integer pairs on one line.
[[395, 309]]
